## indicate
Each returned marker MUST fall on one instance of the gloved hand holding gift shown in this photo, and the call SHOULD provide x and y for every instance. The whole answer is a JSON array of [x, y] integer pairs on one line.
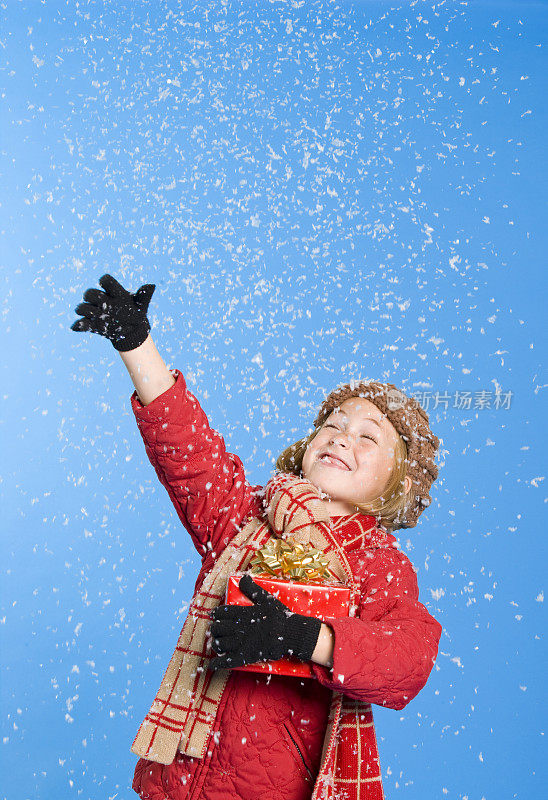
[[271, 623]]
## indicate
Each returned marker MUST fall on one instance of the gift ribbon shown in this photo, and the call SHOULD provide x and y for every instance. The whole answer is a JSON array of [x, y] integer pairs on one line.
[[285, 559]]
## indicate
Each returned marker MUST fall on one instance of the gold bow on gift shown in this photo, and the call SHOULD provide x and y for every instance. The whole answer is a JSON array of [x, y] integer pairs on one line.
[[286, 559]]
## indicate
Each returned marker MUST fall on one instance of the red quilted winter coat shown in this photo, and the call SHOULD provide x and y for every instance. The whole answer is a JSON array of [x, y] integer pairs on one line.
[[267, 739]]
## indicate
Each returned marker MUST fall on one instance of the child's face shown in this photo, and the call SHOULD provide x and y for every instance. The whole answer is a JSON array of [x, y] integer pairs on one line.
[[365, 440]]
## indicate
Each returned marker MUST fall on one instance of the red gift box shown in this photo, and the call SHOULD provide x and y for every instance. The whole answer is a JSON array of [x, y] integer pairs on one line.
[[320, 600]]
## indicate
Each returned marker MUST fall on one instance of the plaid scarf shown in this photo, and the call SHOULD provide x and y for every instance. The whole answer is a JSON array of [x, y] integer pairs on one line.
[[184, 709]]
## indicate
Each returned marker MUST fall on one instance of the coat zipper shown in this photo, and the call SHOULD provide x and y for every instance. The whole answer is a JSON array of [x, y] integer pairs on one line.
[[299, 751]]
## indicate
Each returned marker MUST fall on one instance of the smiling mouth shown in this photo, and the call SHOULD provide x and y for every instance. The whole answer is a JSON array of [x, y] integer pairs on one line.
[[331, 461]]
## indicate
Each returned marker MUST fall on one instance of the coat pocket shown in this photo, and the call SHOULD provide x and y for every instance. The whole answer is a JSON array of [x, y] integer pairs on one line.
[[296, 745]]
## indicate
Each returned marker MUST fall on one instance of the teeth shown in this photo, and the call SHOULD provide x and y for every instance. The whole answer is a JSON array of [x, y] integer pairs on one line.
[[332, 460]]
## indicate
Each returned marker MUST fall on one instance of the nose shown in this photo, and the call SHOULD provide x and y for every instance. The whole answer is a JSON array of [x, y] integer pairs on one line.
[[340, 437]]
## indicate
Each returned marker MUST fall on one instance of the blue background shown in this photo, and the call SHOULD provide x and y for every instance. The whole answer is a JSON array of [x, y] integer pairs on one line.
[[320, 191]]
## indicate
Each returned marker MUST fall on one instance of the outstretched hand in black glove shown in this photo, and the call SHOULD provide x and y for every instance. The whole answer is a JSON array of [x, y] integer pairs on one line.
[[116, 313], [265, 631]]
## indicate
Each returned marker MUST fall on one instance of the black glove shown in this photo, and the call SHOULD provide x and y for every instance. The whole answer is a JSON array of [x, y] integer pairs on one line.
[[116, 313], [265, 631]]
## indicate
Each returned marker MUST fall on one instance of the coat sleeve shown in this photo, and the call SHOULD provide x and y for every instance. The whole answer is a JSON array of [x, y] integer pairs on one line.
[[206, 484], [386, 653]]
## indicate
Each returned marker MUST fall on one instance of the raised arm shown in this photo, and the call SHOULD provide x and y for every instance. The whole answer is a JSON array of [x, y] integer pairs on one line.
[[206, 484], [148, 371]]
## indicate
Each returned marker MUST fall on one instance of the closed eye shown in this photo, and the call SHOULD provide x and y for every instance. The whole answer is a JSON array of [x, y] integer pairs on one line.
[[363, 436]]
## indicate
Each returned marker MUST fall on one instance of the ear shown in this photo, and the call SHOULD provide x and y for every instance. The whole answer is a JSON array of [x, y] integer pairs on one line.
[[407, 483]]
